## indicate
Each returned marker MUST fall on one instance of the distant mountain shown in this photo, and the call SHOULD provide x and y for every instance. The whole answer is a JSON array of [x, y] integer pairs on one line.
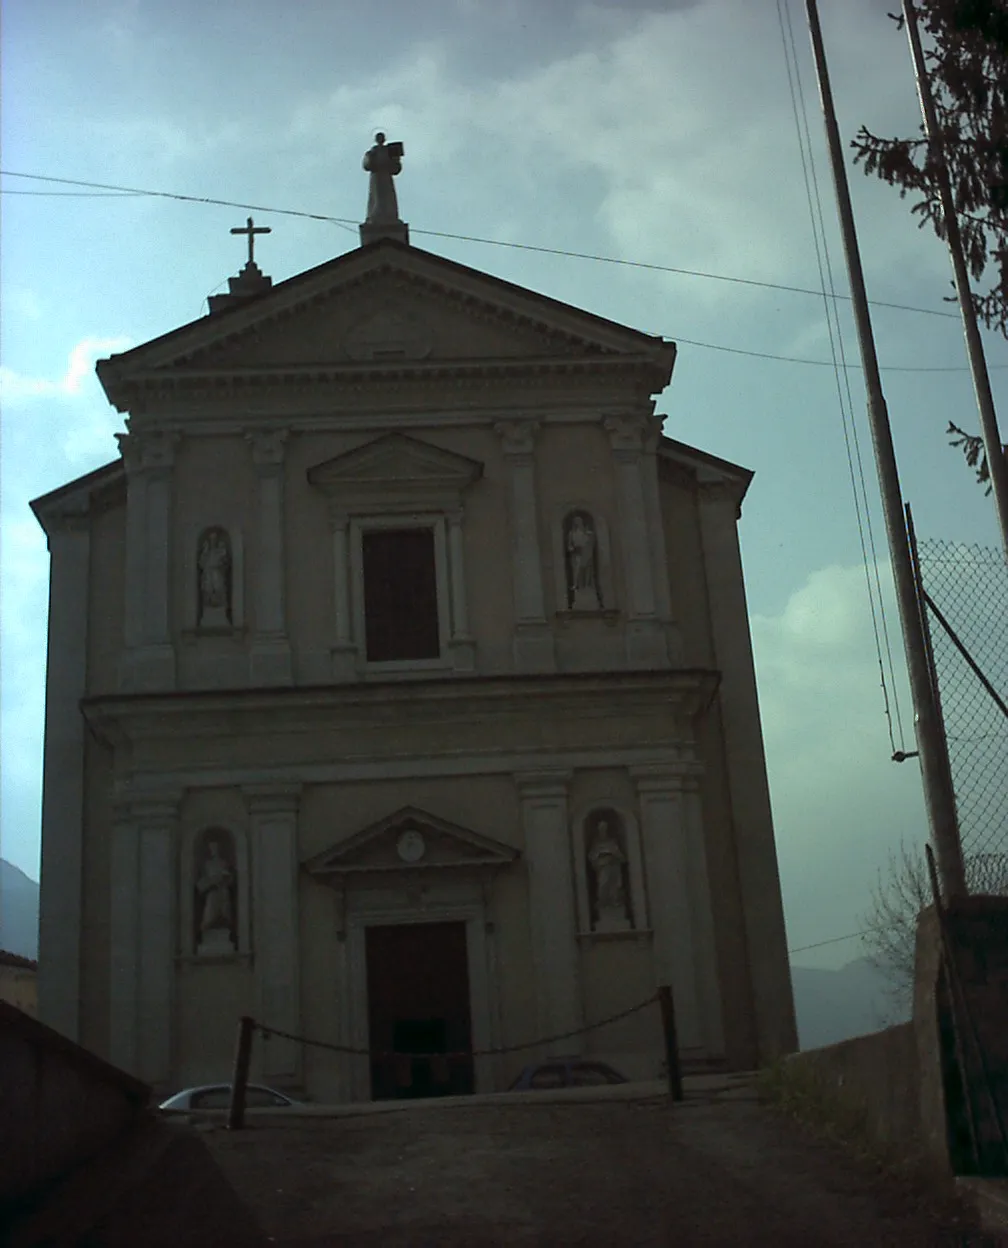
[[19, 907], [836, 1005]]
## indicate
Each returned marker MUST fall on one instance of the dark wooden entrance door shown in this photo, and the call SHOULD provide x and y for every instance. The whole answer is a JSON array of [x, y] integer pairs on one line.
[[418, 1010]]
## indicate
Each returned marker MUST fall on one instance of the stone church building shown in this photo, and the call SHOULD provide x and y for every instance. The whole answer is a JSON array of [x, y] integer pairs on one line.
[[400, 695]]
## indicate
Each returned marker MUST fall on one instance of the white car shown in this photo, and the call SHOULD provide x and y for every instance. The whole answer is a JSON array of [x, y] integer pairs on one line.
[[218, 1096]]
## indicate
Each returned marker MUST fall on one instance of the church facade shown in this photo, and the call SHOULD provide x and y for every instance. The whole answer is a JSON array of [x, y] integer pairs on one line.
[[400, 695]]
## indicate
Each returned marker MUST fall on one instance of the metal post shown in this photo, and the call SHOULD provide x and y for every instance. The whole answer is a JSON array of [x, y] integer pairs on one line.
[[671, 1042], [938, 795], [239, 1079], [926, 634], [925, 624], [997, 464]]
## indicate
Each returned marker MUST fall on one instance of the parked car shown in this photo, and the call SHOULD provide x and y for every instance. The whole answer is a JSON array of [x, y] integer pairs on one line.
[[566, 1072], [218, 1096]]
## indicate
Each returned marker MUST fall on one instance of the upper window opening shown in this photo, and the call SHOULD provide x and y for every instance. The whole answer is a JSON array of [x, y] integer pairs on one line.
[[400, 595]]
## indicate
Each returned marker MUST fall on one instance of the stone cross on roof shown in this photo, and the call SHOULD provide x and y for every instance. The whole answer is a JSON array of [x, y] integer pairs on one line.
[[251, 230], [251, 281]]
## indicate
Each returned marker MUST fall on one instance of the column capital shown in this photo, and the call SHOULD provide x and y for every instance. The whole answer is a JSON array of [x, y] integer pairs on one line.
[[268, 447], [549, 784], [718, 491], [633, 433], [72, 517], [517, 437], [152, 452], [272, 799], [667, 777], [146, 809], [339, 517]]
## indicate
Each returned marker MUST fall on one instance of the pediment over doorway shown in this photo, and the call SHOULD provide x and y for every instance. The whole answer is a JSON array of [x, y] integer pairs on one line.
[[409, 840], [396, 464]]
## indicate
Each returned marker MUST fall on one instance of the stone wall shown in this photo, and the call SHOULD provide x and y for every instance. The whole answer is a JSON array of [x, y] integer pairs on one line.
[[19, 982], [61, 1105], [875, 1078], [902, 1089]]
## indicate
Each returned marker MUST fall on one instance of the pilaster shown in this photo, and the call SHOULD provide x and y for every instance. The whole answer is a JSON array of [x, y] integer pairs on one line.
[[124, 941], [659, 551], [632, 437], [555, 953], [60, 912], [142, 922], [702, 917], [155, 1013], [342, 649], [273, 818], [461, 643], [533, 638], [149, 659], [676, 867], [270, 662]]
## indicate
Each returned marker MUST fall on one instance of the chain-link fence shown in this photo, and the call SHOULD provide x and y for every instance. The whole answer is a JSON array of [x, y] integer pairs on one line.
[[967, 601]]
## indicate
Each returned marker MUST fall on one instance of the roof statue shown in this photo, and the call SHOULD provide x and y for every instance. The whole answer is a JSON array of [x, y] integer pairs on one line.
[[383, 162]]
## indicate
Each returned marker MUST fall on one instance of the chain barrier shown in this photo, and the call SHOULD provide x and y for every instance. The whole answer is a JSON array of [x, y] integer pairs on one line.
[[266, 1031], [967, 602]]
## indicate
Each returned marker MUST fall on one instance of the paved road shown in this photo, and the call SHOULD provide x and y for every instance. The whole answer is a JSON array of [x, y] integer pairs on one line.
[[604, 1173]]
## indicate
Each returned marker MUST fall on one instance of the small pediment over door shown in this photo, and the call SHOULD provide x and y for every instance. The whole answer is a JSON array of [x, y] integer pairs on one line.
[[397, 465], [409, 840]]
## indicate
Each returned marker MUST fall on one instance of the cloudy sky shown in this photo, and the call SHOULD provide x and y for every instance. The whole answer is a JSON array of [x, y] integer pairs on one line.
[[660, 133]]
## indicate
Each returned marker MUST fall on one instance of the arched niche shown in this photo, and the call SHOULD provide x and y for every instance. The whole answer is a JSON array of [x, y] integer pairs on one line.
[[214, 902], [582, 560], [214, 579], [608, 870]]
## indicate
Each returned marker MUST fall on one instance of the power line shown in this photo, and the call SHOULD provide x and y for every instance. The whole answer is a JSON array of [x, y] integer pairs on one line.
[[798, 359], [114, 192], [835, 940], [469, 238], [76, 194]]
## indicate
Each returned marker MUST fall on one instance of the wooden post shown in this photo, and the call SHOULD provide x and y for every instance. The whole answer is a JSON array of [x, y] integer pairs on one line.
[[239, 1079], [671, 1042]]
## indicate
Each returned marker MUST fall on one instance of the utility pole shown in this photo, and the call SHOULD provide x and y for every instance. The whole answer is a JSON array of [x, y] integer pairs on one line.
[[997, 464], [938, 795]]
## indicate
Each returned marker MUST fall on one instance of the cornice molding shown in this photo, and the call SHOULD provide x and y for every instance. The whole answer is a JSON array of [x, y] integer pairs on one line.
[[150, 383]]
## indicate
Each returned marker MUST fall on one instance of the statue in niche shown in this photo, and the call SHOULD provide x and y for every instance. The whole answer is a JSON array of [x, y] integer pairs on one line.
[[216, 883], [611, 911], [214, 561], [581, 553]]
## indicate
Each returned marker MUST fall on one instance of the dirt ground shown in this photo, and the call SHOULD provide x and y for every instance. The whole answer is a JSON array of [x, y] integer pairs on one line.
[[645, 1172]]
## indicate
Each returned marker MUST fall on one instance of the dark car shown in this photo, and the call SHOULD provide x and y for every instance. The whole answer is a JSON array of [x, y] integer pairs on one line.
[[566, 1072], [218, 1096]]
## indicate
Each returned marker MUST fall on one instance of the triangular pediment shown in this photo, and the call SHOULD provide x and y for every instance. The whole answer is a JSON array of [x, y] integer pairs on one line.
[[386, 306], [410, 839], [396, 461]]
